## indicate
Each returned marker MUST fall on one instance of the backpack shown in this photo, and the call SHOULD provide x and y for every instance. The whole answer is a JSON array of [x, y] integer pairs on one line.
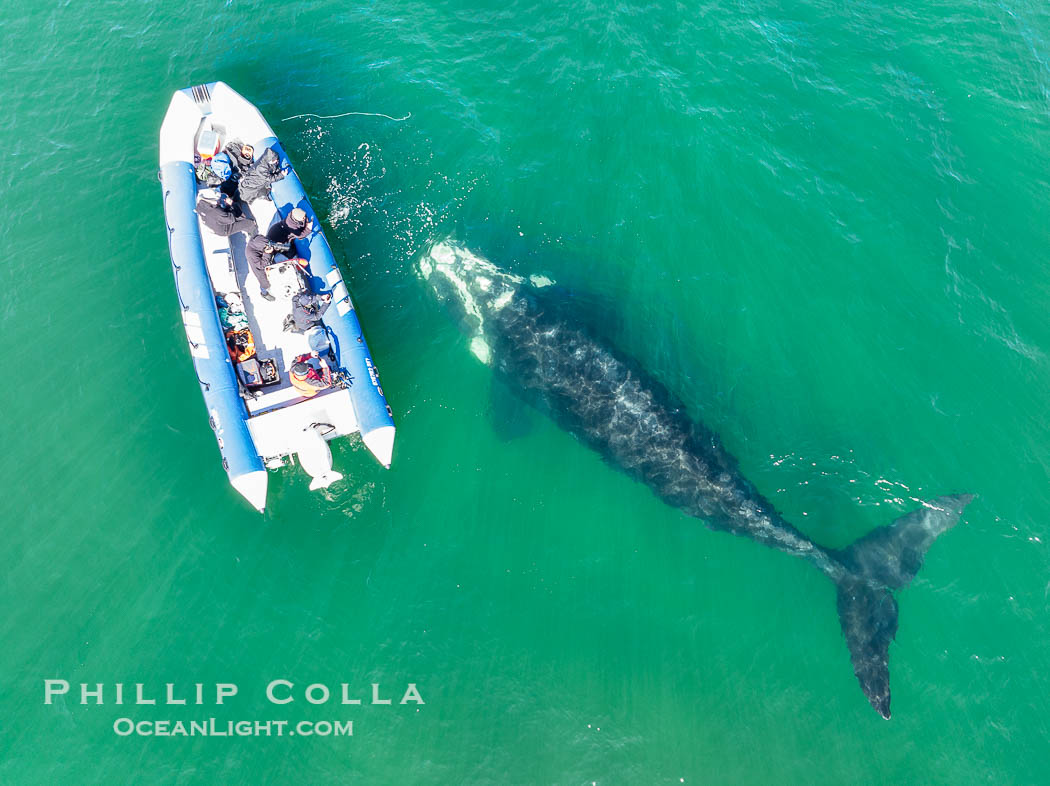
[[206, 176]]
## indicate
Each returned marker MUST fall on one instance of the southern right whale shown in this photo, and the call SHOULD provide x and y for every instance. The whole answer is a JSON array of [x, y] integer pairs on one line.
[[611, 404]]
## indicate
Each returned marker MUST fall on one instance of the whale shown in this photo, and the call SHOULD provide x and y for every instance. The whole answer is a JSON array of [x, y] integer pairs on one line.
[[559, 363]]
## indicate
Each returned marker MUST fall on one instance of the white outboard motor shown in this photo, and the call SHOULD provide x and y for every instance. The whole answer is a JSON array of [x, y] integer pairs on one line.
[[316, 457]]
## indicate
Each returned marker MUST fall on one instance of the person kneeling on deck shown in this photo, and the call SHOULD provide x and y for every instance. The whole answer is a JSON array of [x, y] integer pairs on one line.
[[307, 310], [294, 226], [225, 217], [259, 253], [256, 181]]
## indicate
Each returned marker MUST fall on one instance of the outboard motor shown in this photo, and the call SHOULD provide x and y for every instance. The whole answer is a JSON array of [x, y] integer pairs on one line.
[[316, 457]]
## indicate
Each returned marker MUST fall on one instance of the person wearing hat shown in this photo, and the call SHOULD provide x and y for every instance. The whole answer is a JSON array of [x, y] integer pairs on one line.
[[260, 252], [294, 226], [225, 217]]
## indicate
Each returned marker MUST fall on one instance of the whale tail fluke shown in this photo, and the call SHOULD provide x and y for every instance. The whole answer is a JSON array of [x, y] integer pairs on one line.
[[884, 560]]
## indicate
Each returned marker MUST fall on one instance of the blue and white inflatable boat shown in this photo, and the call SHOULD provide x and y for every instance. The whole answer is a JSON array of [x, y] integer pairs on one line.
[[260, 415]]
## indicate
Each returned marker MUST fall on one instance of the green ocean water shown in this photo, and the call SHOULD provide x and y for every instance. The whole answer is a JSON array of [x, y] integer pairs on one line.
[[823, 225]]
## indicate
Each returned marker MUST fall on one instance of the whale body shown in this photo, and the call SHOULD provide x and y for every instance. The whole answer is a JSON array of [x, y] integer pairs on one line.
[[611, 404]]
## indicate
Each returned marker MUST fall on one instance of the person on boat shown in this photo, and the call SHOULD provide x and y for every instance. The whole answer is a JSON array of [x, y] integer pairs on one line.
[[256, 182], [310, 374], [260, 252], [222, 167], [225, 217], [307, 310], [294, 226], [242, 157]]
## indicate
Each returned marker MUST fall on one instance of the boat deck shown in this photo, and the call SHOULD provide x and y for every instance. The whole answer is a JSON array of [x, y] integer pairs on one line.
[[229, 271]]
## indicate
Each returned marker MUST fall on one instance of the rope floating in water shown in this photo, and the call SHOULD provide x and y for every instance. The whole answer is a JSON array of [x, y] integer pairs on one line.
[[344, 114]]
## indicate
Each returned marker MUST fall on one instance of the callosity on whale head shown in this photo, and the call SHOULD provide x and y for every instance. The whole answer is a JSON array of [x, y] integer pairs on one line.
[[473, 288]]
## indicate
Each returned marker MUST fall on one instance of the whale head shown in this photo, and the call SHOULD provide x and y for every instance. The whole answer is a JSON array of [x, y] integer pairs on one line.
[[474, 289]]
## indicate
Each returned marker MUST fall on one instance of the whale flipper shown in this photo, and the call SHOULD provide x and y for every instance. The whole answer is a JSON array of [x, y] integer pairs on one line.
[[881, 561]]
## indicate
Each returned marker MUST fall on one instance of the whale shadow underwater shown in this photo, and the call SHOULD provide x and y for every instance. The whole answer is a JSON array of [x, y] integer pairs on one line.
[[611, 404]]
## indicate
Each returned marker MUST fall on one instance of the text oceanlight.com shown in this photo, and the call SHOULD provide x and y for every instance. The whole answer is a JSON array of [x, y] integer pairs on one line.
[[217, 728]]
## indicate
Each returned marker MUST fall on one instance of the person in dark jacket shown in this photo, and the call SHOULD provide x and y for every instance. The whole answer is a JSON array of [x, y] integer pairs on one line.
[[307, 310], [264, 173], [242, 157], [293, 226], [259, 253], [225, 217]]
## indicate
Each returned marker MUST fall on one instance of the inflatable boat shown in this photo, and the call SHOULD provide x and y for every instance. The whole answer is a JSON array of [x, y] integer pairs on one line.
[[271, 391]]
